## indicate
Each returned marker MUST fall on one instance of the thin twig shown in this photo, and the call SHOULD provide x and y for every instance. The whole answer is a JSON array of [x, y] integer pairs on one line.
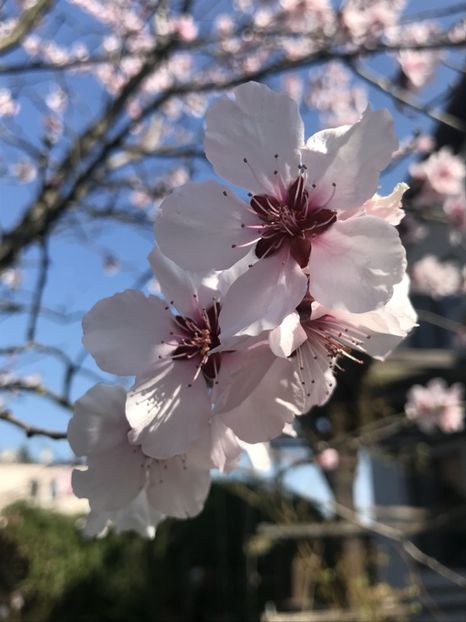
[[404, 97], [30, 430], [39, 292]]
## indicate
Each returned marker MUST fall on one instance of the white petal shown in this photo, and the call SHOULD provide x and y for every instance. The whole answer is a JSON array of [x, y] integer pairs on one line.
[[199, 227], [274, 402], [388, 207], [386, 327], [138, 516], [218, 449], [167, 409], [96, 524], [355, 264], [186, 291], [287, 337], [262, 297], [112, 480], [99, 421], [177, 489], [351, 157], [261, 126], [240, 373], [124, 333], [316, 377]]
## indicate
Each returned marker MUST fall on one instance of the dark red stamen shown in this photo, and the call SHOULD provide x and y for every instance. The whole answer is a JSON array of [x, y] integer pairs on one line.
[[198, 338], [294, 221]]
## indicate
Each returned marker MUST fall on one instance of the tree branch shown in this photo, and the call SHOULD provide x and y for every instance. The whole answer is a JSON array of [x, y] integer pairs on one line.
[[29, 430], [24, 25]]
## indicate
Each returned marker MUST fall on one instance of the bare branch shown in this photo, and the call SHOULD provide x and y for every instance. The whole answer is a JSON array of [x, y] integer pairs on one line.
[[404, 97], [24, 25], [41, 281], [29, 430]]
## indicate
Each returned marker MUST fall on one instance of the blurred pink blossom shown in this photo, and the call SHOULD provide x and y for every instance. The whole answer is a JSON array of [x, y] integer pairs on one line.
[[328, 459], [185, 27], [455, 209], [443, 173], [8, 106], [436, 405], [25, 171], [418, 66], [435, 278]]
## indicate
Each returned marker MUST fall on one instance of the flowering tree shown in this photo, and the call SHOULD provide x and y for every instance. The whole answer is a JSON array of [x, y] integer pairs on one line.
[[263, 284]]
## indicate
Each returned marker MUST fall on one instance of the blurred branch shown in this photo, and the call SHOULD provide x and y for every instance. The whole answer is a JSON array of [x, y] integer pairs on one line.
[[39, 292], [404, 97], [443, 322], [24, 25], [29, 430], [18, 384], [397, 535]]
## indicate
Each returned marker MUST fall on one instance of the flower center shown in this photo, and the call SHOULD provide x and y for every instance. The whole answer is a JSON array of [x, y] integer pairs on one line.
[[197, 338], [294, 221]]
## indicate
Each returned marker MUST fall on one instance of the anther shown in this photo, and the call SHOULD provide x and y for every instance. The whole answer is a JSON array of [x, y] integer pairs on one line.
[[225, 194], [245, 160]]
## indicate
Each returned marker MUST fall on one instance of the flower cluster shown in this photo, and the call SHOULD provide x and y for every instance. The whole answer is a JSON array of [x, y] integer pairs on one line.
[[436, 406], [261, 295]]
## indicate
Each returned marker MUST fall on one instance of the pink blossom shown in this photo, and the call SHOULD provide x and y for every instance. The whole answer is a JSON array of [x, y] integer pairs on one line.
[[11, 277], [32, 45], [333, 94], [178, 176], [435, 278], [317, 338], [328, 459], [436, 405], [368, 20], [7, 26], [389, 207], [455, 209], [308, 15], [293, 86], [418, 66], [53, 127], [25, 171], [8, 106], [111, 43], [57, 100], [302, 196], [122, 483], [443, 173], [185, 27], [140, 198], [79, 51], [173, 350], [224, 25], [424, 143]]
